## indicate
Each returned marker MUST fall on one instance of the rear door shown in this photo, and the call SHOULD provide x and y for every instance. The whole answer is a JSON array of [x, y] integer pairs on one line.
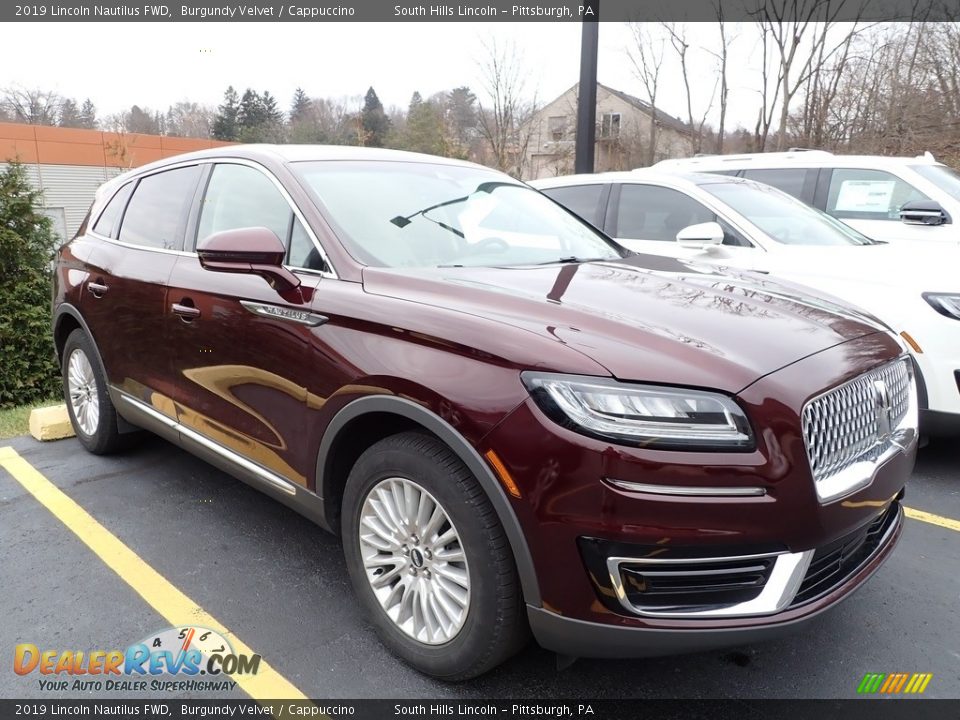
[[241, 361], [124, 296]]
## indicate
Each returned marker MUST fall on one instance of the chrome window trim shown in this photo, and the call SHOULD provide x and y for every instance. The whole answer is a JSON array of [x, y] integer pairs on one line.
[[226, 160], [789, 570], [272, 479], [331, 273], [685, 491]]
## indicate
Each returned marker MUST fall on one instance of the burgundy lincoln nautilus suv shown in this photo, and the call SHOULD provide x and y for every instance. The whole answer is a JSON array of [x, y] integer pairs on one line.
[[515, 424]]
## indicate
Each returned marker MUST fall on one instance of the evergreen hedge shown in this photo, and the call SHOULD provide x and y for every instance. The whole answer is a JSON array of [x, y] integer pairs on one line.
[[28, 367]]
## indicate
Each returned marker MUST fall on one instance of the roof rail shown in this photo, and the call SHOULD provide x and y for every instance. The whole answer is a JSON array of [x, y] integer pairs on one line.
[[719, 159]]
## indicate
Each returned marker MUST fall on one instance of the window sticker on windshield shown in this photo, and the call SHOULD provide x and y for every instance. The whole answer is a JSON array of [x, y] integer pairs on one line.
[[865, 196]]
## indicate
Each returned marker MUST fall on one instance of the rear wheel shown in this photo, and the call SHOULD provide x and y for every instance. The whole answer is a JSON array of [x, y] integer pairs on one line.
[[91, 411], [429, 560]]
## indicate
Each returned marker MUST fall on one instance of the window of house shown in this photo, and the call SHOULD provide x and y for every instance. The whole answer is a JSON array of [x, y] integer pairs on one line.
[[156, 214], [610, 125], [556, 126]]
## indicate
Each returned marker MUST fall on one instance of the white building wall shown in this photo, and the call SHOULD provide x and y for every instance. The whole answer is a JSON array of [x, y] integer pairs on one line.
[[68, 191]]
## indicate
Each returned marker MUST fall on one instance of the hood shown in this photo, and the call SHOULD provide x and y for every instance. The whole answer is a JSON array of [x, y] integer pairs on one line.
[[911, 267], [645, 318]]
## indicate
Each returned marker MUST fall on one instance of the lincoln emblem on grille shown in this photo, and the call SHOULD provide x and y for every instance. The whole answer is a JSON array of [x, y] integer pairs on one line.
[[881, 404]]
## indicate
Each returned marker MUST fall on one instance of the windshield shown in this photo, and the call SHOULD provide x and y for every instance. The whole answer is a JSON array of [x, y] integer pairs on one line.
[[945, 178], [784, 218], [408, 214]]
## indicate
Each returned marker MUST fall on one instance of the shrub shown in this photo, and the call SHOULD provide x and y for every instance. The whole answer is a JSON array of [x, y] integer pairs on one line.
[[28, 367]]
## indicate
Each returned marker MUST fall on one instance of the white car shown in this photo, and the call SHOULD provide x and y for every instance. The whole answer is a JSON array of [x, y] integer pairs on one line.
[[914, 288], [886, 198]]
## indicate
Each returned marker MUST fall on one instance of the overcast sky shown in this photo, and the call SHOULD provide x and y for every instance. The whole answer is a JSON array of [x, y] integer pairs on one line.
[[156, 64]]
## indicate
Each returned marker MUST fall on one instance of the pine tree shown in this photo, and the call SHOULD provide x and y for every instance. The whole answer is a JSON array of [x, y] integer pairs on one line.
[[424, 131], [225, 123], [69, 114], [28, 370], [88, 115], [299, 107], [373, 120]]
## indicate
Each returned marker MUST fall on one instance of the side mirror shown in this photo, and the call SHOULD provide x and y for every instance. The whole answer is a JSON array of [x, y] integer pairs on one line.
[[253, 250], [701, 236], [923, 212]]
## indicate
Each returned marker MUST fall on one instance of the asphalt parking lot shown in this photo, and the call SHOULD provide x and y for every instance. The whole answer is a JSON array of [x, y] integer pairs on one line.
[[279, 584]]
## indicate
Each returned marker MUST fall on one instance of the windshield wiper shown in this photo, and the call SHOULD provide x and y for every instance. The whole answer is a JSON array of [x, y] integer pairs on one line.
[[570, 259]]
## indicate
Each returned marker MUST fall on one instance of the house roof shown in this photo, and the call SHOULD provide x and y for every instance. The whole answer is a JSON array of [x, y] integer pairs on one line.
[[663, 117]]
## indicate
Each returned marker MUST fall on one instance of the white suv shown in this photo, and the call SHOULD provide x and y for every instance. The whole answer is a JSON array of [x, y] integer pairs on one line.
[[886, 198]]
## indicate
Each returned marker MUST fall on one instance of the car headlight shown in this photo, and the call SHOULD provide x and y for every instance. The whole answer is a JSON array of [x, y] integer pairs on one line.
[[944, 303], [662, 418]]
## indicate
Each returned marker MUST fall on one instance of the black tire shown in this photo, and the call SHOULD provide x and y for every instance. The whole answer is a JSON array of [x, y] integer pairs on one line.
[[106, 437], [495, 625]]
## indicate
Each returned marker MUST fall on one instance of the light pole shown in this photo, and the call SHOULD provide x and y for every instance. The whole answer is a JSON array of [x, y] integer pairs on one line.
[[587, 90]]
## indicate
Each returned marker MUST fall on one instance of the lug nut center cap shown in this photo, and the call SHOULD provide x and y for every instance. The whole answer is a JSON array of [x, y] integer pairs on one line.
[[416, 558]]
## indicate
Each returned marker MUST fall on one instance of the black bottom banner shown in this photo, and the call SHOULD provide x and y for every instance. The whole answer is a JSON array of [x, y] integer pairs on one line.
[[896, 709]]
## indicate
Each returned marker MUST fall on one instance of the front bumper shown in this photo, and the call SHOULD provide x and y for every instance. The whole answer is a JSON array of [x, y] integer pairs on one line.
[[580, 638]]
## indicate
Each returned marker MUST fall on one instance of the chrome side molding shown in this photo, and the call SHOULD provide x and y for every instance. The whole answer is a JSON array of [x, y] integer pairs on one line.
[[261, 473]]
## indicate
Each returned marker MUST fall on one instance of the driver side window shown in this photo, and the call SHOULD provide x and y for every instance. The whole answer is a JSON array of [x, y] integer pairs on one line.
[[240, 196], [649, 212]]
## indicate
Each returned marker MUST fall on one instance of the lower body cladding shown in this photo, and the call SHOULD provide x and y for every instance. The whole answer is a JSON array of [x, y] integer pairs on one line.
[[640, 552]]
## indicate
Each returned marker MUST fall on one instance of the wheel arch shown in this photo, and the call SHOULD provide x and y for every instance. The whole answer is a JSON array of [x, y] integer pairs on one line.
[[390, 415], [66, 319]]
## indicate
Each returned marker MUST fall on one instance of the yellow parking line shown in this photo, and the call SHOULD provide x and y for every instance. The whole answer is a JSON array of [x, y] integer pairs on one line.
[[926, 517], [160, 593]]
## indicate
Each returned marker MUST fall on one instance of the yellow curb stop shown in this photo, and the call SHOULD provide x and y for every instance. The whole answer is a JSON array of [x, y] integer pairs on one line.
[[50, 423]]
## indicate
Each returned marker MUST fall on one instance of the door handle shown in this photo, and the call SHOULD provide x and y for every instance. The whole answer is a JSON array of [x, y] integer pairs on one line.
[[97, 289], [186, 312]]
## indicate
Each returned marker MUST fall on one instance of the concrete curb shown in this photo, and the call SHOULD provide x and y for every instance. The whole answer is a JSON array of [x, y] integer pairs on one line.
[[50, 423]]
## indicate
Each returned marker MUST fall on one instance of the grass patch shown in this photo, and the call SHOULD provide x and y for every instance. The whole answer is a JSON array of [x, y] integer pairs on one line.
[[16, 421]]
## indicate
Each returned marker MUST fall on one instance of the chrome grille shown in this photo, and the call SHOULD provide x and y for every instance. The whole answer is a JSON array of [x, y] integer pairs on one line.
[[843, 426]]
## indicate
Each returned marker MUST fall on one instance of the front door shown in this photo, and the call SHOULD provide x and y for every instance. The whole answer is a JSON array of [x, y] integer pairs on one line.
[[241, 351]]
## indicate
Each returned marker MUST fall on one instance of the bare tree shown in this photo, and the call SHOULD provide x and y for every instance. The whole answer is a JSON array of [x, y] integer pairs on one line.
[[677, 35], [505, 120], [33, 106], [646, 55], [721, 54], [800, 35]]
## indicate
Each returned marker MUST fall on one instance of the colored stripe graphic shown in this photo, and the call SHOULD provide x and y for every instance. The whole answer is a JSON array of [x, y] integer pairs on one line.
[[894, 683]]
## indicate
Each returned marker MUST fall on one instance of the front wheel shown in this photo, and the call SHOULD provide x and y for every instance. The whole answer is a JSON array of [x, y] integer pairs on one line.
[[429, 559], [91, 412]]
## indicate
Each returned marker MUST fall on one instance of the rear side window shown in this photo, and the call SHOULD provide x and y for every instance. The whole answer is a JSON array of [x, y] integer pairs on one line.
[[109, 221], [869, 194], [648, 212], [791, 181], [584, 200], [156, 214]]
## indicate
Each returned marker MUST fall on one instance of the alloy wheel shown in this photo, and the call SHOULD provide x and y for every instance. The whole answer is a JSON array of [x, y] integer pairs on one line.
[[414, 560], [82, 389]]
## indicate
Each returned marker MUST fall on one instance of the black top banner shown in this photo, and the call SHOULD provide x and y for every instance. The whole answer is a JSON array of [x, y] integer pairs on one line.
[[483, 11]]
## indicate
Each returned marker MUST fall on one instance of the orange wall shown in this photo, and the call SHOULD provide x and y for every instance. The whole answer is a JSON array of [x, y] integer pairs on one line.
[[69, 146]]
